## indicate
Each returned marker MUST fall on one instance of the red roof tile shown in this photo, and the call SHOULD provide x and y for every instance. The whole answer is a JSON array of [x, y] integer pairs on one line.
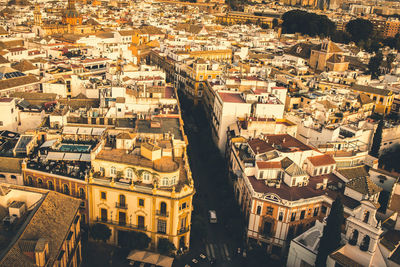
[[321, 160], [280, 142], [268, 164]]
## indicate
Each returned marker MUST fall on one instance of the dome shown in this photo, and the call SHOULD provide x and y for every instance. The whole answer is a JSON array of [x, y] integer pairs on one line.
[[71, 13]]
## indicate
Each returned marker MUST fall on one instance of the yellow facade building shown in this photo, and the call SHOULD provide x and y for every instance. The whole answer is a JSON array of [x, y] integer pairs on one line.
[[147, 188], [382, 98], [192, 78], [235, 17]]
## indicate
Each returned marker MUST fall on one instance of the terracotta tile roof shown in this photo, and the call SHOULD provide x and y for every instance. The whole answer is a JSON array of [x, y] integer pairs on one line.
[[321, 160], [302, 50], [354, 172], [344, 260], [127, 32], [364, 99], [364, 185], [24, 65], [10, 165], [259, 146], [268, 164], [304, 192], [3, 60], [52, 221], [280, 142], [371, 90], [18, 81], [332, 48]]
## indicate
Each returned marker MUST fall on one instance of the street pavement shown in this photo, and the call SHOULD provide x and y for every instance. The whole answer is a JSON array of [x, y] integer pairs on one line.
[[218, 244]]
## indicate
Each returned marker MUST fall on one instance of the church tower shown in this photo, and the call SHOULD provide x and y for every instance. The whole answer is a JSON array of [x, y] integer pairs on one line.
[[363, 229], [37, 15], [71, 15]]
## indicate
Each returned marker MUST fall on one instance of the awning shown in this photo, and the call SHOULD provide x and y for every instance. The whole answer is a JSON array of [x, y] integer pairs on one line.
[[150, 257], [165, 261], [55, 156], [85, 157], [98, 131], [48, 143], [70, 130], [85, 130], [72, 156]]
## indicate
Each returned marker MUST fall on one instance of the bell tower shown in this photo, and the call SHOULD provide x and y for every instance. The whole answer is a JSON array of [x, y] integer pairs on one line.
[[37, 15], [71, 15], [363, 229]]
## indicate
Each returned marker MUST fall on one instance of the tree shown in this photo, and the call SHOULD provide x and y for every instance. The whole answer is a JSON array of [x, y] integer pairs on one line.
[[307, 23], [374, 65], [100, 231], [275, 23], [331, 236], [165, 246], [134, 240], [360, 29], [376, 141], [390, 59], [341, 37]]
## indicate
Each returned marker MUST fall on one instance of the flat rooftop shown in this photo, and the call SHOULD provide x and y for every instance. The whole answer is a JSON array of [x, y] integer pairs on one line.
[[167, 125], [231, 97]]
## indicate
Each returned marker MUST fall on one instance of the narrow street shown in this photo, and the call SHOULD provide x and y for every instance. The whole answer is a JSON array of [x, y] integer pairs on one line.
[[213, 192]]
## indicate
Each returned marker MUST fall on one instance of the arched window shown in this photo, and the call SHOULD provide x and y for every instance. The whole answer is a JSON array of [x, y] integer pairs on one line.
[[82, 194], [122, 202], [258, 210], [2, 176], [129, 173], [365, 243], [40, 183], [163, 208], [66, 189], [146, 176], [366, 216], [13, 177], [173, 180], [354, 238], [113, 170], [51, 185], [164, 181], [30, 181]]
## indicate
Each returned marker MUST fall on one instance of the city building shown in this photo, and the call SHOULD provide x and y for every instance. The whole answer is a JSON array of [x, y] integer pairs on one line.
[[282, 186], [143, 186], [40, 228]]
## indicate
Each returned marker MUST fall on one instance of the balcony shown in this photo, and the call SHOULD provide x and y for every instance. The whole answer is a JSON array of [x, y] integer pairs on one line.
[[183, 230], [121, 205], [162, 213], [123, 224]]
